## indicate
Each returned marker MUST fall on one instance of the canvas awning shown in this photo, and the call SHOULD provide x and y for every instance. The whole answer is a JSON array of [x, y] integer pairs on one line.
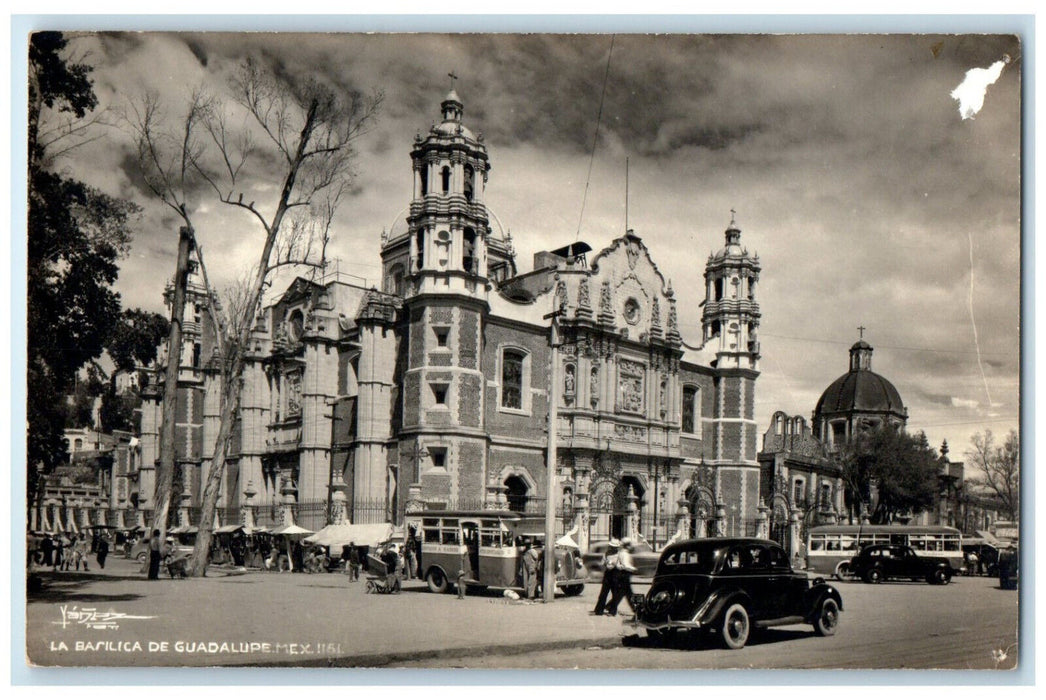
[[364, 535], [291, 531]]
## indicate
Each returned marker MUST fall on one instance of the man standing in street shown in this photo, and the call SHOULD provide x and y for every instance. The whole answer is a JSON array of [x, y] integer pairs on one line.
[[155, 546], [609, 571], [623, 578], [530, 569], [102, 550]]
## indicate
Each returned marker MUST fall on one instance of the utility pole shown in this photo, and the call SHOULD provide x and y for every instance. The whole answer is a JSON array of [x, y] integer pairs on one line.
[[548, 585], [165, 473]]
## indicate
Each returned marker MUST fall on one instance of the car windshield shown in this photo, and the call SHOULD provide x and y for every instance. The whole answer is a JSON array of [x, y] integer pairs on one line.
[[694, 559]]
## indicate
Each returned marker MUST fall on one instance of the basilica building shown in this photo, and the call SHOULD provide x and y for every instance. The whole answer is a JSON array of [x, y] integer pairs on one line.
[[434, 390]]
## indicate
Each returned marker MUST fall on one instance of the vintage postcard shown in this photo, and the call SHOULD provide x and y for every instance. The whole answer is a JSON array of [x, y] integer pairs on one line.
[[523, 351]]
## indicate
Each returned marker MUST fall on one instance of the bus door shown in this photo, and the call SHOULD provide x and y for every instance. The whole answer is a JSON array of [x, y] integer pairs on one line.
[[470, 538], [497, 554]]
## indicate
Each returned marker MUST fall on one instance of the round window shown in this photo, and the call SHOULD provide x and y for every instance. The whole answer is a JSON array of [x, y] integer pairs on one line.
[[296, 325], [632, 311]]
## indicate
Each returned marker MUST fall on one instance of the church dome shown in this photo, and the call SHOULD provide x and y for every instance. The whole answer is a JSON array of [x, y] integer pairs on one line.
[[860, 389]]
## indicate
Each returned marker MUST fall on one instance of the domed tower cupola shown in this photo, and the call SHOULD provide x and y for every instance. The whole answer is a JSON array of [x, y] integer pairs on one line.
[[860, 356], [858, 401], [731, 314], [446, 245], [452, 107]]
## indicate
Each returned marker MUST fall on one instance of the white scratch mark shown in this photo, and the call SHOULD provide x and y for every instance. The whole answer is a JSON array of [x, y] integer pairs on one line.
[[970, 92], [973, 322]]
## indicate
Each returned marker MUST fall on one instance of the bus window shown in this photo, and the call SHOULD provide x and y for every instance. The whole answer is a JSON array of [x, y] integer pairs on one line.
[[849, 543], [918, 542], [833, 543], [449, 536], [490, 538], [430, 522], [816, 544], [431, 535]]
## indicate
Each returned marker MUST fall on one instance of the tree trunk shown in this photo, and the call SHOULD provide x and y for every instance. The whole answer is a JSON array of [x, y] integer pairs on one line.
[[168, 450], [230, 401], [233, 380]]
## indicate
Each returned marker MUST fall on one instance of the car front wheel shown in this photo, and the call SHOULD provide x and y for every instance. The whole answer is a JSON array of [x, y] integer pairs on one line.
[[873, 575], [827, 621], [941, 577], [735, 627], [842, 571], [574, 589]]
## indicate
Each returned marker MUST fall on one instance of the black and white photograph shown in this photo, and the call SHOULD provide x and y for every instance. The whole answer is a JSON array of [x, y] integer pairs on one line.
[[519, 351]]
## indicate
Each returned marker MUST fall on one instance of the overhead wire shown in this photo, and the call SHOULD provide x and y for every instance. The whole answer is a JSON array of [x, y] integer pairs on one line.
[[595, 138]]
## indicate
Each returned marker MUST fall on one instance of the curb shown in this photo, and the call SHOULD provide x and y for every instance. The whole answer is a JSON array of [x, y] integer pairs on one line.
[[392, 658]]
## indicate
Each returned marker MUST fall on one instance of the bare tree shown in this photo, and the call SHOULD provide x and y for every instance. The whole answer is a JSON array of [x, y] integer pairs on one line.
[[1000, 468], [300, 136], [167, 159]]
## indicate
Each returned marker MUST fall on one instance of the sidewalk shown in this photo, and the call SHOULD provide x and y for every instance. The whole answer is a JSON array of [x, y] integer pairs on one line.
[[118, 618]]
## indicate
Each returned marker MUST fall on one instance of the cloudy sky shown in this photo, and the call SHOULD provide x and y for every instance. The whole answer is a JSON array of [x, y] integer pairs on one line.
[[869, 200]]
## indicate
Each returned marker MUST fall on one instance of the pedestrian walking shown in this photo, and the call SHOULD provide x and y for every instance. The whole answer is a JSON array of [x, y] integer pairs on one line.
[[59, 552], [623, 578], [82, 549], [102, 551], [155, 555], [609, 562], [392, 563], [47, 547]]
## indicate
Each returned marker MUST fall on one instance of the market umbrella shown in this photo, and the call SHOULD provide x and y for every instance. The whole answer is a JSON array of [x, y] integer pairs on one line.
[[291, 531]]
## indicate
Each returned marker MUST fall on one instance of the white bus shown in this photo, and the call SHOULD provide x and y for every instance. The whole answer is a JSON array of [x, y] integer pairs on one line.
[[829, 548]]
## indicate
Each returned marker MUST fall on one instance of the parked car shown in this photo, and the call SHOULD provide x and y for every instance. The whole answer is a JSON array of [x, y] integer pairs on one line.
[[643, 555], [1009, 567], [728, 586], [876, 563]]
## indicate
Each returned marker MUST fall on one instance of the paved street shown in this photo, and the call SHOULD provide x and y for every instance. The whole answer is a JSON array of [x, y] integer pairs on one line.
[[117, 618]]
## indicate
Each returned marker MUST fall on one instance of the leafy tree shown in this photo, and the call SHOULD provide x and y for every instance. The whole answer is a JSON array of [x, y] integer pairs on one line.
[[75, 236], [1000, 469], [891, 471], [136, 338], [117, 410]]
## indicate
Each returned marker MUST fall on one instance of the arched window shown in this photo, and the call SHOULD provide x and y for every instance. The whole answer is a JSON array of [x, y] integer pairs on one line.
[[445, 175], [470, 182], [78, 444], [512, 379], [718, 289], [424, 180], [690, 409], [394, 283], [468, 259], [517, 493]]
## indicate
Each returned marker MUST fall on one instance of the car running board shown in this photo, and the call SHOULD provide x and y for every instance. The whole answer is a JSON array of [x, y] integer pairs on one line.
[[776, 622]]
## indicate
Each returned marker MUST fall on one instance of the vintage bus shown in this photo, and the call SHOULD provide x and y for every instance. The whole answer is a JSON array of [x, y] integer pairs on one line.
[[488, 545], [829, 548]]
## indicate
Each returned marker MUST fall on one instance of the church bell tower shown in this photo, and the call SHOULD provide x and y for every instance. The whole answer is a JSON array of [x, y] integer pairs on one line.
[[731, 313]]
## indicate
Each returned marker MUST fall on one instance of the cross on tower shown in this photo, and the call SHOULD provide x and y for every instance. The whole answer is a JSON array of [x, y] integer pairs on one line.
[[417, 453], [861, 330], [452, 79], [733, 215]]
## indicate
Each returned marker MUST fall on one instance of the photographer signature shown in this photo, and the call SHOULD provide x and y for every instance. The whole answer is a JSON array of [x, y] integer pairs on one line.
[[93, 618]]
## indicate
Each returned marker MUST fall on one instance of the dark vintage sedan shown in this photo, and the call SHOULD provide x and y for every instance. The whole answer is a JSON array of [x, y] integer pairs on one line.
[[876, 563], [730, 586]]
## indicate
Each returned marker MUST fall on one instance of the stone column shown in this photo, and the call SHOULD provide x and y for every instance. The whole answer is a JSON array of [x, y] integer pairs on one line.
[[101, 514], [682, 521], [490, 499], [720, 520], [338, 500], [763, 527], [119, 524], [796, 533], [186, 501], [581, 519], [70, 516], [47, 519], [247, 506], [414, 502], [288, 492], [632, 519]]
